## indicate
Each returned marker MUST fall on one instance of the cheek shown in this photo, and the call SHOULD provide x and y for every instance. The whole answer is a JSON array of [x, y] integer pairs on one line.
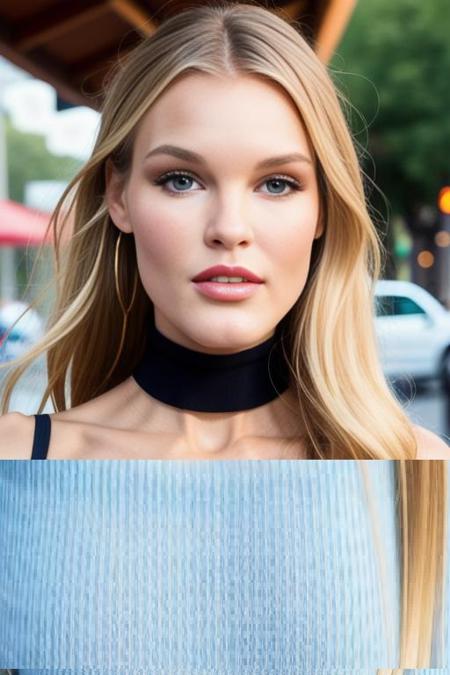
[[160, 251], [290, 245], [160, 239]]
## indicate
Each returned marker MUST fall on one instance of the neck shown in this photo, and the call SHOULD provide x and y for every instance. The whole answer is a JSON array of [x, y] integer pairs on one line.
[[200, 435], [214, 401], [212, 383]]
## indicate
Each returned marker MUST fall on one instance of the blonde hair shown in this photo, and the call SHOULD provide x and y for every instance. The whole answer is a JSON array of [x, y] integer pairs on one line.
[[344, 402]]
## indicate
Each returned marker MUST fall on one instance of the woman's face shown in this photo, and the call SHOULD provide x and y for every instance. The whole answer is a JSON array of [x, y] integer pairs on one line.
[[232, 205]]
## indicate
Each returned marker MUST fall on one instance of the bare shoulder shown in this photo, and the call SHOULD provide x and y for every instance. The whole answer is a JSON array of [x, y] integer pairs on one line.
[[430, 445], [16, 435]]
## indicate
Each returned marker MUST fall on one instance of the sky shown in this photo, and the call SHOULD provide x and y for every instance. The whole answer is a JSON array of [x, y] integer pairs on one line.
[[31, 104]]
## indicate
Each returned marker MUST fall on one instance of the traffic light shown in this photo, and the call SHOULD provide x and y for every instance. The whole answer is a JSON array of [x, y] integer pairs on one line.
[[444, 200], [442, 236]]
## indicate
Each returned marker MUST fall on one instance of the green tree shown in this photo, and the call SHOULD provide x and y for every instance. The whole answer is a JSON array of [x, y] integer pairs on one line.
[[29, 159], [393, 65]]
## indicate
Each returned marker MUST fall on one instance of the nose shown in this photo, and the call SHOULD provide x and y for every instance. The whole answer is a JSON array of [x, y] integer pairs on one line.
[[229, 227]]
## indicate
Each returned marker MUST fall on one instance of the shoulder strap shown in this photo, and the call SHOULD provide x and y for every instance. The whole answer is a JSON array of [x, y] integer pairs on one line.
[[41, 438]]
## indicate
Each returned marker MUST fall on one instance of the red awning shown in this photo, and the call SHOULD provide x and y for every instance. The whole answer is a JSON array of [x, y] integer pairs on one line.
[[20, 225]]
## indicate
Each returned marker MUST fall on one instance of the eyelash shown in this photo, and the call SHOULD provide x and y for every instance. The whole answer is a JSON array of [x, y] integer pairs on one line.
[[166, 177]]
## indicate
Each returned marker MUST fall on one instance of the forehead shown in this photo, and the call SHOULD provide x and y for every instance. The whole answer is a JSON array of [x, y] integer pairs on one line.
[[235, 109]]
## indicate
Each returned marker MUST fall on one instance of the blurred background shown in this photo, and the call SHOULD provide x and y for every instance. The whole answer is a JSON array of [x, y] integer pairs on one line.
[[390, 60]]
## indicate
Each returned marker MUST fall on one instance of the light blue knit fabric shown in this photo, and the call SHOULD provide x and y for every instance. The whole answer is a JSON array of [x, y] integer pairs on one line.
[[183, 567], [92, 671]]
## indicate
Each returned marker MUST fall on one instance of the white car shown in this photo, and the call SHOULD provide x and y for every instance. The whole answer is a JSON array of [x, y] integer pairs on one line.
[[413, 330], [27, 331]]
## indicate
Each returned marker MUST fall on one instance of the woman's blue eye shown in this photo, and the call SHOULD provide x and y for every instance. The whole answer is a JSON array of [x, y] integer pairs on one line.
[[280, 181], [182, 178], [173, 176]]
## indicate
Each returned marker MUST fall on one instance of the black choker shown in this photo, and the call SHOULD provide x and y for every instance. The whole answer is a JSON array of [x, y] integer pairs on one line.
[[193, 380]]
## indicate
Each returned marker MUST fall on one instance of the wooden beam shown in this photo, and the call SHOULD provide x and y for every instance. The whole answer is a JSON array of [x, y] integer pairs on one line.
[[134, 15], [87, 65], [49, 24], [43, 68], [336, 17], [48, 72]]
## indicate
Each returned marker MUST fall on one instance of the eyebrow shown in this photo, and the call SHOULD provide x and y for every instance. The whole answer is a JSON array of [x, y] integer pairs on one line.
[[190, 156]]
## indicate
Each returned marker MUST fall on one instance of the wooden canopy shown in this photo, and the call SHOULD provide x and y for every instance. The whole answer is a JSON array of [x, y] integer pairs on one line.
[[72, 43]]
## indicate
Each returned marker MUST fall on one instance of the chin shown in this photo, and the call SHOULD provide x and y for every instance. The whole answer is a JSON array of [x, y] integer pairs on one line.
[[227, 339]]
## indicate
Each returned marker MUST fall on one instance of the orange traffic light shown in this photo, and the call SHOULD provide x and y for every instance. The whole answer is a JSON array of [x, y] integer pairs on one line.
[[444, 199]]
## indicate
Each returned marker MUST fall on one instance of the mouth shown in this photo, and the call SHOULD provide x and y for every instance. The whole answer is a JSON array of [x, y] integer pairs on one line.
[[227, 274], [231, 289], [229, 280]]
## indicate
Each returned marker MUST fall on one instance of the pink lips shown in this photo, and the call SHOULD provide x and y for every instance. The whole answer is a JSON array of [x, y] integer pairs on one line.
[[227, 271], [227, 291]]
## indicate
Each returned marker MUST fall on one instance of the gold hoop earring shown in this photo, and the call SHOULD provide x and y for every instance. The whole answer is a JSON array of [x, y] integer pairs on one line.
[[116, 279], [122, 304]]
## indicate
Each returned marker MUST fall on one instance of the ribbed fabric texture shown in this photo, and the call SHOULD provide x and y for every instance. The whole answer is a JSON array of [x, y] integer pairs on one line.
[[92, 671], [183, 567]]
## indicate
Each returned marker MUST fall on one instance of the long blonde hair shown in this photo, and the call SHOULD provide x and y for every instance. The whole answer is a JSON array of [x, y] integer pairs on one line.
[[344, 402]]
